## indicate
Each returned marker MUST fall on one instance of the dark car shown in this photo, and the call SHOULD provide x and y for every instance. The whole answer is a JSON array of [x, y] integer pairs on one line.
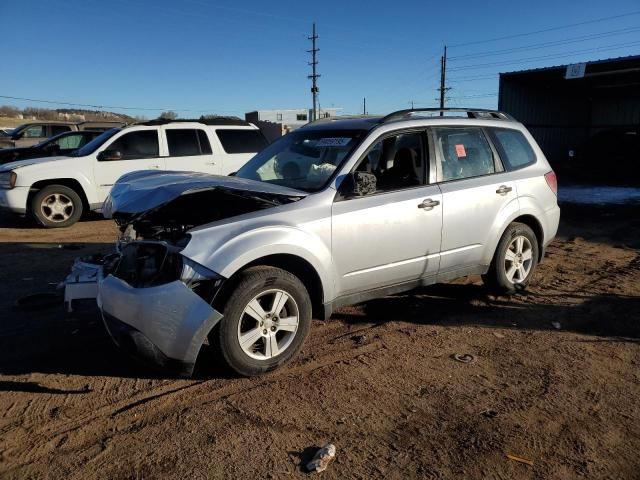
[[61, 144]]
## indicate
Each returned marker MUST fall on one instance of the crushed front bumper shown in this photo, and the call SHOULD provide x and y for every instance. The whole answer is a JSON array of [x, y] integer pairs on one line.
[[166, 324]]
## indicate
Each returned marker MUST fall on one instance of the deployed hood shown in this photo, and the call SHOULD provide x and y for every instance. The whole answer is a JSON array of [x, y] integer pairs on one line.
[[145, 190], [165, 204], [29, 161]]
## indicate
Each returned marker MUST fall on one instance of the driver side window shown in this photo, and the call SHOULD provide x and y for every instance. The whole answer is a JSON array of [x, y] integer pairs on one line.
[[134, 145], [396, 161]]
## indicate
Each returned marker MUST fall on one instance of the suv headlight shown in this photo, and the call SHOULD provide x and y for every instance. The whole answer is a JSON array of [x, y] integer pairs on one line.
[[202, 281], [8, 179]]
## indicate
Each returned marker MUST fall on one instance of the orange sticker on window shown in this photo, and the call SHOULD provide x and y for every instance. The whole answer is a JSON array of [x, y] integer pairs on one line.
[[460, 151]]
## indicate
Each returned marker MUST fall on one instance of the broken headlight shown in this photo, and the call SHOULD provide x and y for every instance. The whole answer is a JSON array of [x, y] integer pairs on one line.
[[200, 279]]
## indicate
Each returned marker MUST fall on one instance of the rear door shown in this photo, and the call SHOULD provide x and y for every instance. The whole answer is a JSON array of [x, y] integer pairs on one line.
[[390, 236], [238, 146], [140, 150], [189, 149], [476, 191]]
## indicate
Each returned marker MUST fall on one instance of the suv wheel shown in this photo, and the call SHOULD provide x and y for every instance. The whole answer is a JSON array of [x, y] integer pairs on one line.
[[514, 261], [266, 319], [56, 206]]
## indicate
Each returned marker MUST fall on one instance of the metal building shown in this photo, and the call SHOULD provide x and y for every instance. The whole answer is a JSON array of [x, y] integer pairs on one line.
[[566, 107]]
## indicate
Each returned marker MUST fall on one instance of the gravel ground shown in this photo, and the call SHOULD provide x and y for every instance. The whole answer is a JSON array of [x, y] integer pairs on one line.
[[379, 380]]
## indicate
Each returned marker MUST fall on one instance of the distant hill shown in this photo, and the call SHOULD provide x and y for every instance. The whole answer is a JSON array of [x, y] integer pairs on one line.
[[12, 116]]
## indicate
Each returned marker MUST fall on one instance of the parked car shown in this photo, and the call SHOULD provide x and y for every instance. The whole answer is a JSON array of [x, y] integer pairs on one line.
[[334, 213], [62, 144], [56, 190], [33, 133]]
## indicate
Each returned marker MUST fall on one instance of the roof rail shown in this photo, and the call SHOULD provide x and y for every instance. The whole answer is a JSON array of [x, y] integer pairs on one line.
[[471, 113], [338, 118], [204, 121]]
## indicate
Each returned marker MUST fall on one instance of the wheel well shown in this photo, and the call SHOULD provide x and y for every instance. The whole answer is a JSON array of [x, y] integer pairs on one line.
[[67, 182], [533, 223], [293, 264]]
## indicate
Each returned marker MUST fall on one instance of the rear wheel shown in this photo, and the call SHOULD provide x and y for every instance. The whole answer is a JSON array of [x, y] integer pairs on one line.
[[56, 206], [514, 261], [266, 319]]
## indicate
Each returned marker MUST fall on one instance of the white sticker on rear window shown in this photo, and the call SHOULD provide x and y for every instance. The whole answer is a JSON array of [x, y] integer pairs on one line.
[[333, 142]]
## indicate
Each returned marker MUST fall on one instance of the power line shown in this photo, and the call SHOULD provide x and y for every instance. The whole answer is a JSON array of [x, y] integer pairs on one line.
[[53, 102], [545, 57], [551, 29], [537, 46]]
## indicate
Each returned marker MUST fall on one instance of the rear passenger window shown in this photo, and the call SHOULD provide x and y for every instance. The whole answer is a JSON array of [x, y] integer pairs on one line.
[[241, 141], [187, 141], [464, 153], [141, 144], [514, 148]]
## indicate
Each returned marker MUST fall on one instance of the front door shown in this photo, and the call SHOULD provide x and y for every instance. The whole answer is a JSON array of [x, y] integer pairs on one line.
[[392, 235], [139, 151]]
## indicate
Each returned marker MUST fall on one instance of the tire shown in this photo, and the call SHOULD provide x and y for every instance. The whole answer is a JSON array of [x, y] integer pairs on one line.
[[247, 340], [514, 260], [56, 206]]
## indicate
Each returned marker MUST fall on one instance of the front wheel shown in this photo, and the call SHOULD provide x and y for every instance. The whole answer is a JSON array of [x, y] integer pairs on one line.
[[514, 261], [56, 206], [266, 319]]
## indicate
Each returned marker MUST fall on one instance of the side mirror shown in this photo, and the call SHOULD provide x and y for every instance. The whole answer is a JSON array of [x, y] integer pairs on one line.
[[109, 155], [358, 184], [18, 135]]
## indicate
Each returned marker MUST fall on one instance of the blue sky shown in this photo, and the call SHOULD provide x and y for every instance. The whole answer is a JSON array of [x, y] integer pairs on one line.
[[198, 56]]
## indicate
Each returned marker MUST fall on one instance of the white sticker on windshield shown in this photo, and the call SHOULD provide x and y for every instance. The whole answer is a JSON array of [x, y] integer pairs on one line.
[[333, 142]]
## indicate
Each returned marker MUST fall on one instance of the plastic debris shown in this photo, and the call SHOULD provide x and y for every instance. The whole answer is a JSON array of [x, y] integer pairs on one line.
[[463, 357], [556, 325], [498, 335], [322, 458], [515, 458], [489, 413]]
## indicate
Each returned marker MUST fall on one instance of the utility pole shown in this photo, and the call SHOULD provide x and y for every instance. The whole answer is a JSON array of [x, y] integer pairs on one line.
[[314, 76], [443, 79], [364, 106]]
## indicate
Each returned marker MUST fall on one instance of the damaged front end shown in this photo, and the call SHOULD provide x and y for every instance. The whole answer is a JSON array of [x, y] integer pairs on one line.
[[157, 303]]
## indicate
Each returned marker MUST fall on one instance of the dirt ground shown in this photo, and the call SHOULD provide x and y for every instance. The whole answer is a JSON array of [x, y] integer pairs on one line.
[[379, 380]]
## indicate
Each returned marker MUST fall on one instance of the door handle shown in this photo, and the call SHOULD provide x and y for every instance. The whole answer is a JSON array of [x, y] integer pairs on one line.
[[428, 204], [503, 190], [210, 163], [154, 166]]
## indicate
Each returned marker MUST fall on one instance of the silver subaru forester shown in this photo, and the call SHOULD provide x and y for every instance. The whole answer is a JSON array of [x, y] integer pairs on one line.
[[337, 212]]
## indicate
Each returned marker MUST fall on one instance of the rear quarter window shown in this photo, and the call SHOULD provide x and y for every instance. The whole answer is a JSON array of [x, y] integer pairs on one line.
[[241, 141], [513, 147]]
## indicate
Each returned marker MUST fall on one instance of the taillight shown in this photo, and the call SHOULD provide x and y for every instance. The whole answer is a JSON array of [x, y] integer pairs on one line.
[[552, 181]]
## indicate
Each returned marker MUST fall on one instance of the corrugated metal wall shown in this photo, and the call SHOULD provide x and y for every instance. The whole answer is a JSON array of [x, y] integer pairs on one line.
[[562, 114]]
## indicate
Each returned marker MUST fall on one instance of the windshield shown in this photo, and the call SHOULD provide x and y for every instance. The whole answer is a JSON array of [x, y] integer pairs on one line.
[[94, 144], [304, 160]]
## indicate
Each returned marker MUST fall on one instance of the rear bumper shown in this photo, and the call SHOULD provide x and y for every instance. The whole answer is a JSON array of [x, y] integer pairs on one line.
[[553, 220], [166, 324]]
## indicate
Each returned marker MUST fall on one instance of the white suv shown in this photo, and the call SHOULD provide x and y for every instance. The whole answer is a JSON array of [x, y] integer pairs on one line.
[[56, 190]]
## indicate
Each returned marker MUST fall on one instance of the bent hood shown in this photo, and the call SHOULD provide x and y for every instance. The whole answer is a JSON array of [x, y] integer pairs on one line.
[[143, 191]]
